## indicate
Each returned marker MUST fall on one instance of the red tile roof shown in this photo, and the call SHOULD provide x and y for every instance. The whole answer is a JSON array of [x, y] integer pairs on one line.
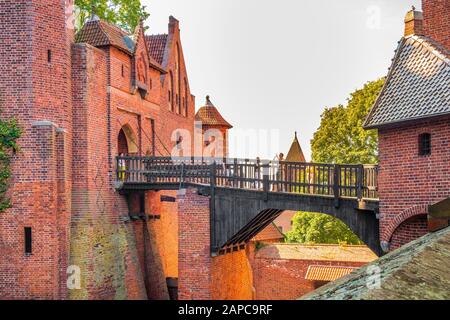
[[271, 232], [157, 46], [317, 252], [208, 115], [100, 33], [327, 273]]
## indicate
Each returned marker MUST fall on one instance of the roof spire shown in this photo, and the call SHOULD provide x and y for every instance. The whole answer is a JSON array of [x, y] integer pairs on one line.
[[93, 16], [295, 153], [208, 101]]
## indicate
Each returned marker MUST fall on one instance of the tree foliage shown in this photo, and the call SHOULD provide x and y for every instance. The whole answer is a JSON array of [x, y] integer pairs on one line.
[[9, 133], [341, 137], [320, 228], [125, 13]]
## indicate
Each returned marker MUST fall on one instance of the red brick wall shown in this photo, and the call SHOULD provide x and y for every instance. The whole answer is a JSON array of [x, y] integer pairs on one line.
[[437, 20], [200, 275], [232, 277], [102, 245], [409, 182], [412, 228], [33, 89], [277, 279], [194, 256], [165, 230]]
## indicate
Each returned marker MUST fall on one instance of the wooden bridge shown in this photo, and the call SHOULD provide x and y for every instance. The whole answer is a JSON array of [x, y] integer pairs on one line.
[[247, 195]]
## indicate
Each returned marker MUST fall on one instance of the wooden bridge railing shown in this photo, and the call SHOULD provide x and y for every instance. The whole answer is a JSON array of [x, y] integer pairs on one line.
[[354, 181]]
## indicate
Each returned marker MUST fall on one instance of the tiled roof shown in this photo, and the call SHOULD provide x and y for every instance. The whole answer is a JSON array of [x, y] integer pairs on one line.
[[100, 33], [295, 153], [318, 252], [327, 273], [271, 232], [417, 85], [156, 46], [208, 115], [416, 271]]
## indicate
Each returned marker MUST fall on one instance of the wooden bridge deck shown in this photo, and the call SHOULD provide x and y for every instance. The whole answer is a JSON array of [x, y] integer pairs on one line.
[[247, 195], [328, 180]]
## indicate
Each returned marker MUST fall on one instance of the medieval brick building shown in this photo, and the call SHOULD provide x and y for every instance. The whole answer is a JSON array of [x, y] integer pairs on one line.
[[82, 98], [412, 115]]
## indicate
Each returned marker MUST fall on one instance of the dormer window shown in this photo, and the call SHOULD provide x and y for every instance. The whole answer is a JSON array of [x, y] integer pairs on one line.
[[425, 144]]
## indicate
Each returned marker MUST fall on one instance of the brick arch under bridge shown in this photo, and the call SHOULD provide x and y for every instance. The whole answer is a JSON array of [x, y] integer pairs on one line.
[[247, 195], [214, 229], [238, 215]]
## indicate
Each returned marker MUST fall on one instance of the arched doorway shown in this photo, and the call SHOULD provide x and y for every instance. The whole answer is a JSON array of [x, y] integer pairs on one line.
[[127, 142]]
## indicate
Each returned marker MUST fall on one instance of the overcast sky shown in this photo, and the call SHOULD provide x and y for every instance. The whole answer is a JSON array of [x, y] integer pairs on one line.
[[275, 65]]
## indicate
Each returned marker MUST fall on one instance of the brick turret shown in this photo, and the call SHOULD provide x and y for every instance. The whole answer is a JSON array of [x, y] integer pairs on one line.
[[35, 89], [215, 130]]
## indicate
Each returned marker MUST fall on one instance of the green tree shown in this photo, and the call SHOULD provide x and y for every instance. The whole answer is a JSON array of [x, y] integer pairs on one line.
[[125, 13], [9, 133], [341, 137], [320, 228]]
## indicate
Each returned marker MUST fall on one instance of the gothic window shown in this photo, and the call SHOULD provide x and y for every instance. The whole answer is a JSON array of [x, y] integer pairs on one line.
[[142, 70], [185, 97], [179, 78], [424, 144], [171, 93]]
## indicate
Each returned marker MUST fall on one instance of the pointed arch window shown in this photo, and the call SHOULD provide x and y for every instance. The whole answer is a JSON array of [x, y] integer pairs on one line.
[[179, 79], [185, 102], [171, 93]]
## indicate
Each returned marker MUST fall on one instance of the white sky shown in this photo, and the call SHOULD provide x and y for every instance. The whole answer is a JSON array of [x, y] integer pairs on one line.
[[275, 65]]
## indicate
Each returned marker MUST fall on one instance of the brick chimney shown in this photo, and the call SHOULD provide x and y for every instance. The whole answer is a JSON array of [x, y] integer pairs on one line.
[[174, 24], [436, 24], [70, 19], [413, 23]]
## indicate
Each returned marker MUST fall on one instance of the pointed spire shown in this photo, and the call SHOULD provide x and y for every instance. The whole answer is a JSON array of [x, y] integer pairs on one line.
[[295, 153], [208, 101], [93, 16]]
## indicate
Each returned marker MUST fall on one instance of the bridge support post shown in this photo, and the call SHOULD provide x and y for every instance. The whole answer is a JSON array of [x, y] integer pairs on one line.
[[266, 187], [359, 182], [336, 185]]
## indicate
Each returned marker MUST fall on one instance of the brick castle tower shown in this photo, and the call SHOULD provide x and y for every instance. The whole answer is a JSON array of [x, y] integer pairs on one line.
[[35, 89]]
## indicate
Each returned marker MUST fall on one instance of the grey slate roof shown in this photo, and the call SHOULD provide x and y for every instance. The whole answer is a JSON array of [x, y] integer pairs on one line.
[[417, 86], [416, 271]]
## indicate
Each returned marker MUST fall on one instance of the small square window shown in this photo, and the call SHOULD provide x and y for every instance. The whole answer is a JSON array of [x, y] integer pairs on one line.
[[424, 144]]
